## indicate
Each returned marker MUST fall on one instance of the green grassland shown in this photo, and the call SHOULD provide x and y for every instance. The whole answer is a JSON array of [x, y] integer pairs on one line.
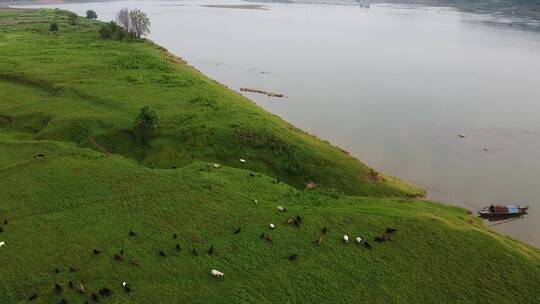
[[73, 179], [73, 86]]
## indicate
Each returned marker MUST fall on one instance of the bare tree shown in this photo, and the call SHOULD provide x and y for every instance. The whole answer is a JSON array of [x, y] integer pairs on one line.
[[139, 22], [134, 22], [122, 18]]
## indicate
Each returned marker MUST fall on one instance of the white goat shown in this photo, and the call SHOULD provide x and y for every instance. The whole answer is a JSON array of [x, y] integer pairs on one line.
[[272, 226], [358, 239], [216, 273], [217, 165], [280, 208], [2, 244], [243, 160], [346, 238]]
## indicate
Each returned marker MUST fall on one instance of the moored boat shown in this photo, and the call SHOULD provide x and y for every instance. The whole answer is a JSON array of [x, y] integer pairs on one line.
[[503, 211]]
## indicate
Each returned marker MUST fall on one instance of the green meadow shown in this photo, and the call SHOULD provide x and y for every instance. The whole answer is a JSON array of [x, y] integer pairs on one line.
[[73, 178]]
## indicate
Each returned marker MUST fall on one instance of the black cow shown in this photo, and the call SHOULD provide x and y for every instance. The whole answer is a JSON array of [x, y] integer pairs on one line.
[[238, 230], [391, 230], [106, 292], [58, 288], [33, 297], [293, 257]]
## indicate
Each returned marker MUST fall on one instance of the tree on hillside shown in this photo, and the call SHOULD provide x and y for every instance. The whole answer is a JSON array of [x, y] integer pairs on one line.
[[140, 23], [122, 18], [54, 27], [91, 14], [145, 125], [134, 22]]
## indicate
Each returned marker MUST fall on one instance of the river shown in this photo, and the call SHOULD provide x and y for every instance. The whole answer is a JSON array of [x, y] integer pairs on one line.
[[394, 85]]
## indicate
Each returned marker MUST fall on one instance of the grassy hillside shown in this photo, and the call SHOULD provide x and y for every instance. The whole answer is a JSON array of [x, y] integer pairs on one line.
[[63, 205], [73, 180], [73, 86]]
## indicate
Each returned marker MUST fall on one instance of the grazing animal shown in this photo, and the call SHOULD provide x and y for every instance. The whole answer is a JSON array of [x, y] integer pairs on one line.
[[391, 230], [299, 219], [251, 174], [368, 246], [2, 244], [5, 222], [70, 284], [56, 270], [94, 297], [272, 226], [379, 239], [263, 235], [178, 247], [319, 241], [96, 252], [80, 289], [216, 273], [387, 237], [134, 262], [73, 269], [243, 160], [217, 165], [33, 297], [122, 251], [290, 220], [281, 209], [106, 292], [325, 230], [238, 230], [194, 252], [358, 239], [1, 229], [293, 257], [162, 253], [118, 257], [297, 223], [58, 288], [345, 238], [127, 289], [268, 238], [211, 250], [63, 301], [175, 236], [131, 233]]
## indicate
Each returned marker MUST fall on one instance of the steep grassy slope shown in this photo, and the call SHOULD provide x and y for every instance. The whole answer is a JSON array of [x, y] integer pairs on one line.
[[63, 205], [74, 86], [72, 180]]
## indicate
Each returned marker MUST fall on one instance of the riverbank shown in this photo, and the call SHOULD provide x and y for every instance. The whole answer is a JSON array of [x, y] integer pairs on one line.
[[62, 194]]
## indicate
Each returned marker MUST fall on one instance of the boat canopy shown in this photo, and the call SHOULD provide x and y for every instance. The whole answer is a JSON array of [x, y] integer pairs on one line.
[[513, 209]]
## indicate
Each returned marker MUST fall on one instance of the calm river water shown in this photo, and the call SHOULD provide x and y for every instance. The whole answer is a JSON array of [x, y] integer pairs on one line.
[[394, 85]]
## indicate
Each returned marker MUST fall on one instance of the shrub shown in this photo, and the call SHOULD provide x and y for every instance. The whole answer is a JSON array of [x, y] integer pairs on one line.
[[111, 30], [91, 14], [54, 27], [145, 125]]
